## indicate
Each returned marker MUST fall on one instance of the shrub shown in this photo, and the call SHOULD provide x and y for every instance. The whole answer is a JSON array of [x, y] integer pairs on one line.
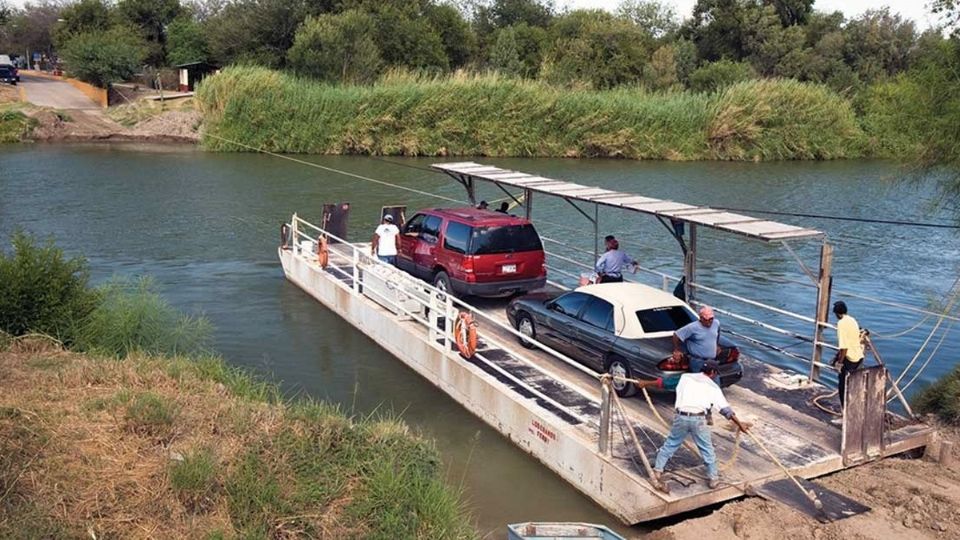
[[43, 291], [132, 316], [15, 126], [719, 75], [101, 58], [783, 119], [194, 478], [941, 398], [337, 48], [150, 414]]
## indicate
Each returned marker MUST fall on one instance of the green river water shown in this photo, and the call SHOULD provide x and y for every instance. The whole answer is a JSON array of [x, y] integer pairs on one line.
[[205, 227]]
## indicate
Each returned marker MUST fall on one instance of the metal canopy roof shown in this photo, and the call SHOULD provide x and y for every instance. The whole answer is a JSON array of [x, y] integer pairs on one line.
[[752, 227]]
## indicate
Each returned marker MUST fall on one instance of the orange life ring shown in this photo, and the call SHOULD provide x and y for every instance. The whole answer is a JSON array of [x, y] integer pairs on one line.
[[465, 334], [323, 254]]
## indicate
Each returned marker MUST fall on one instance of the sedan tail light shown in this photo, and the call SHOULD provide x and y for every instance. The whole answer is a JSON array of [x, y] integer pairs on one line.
[[669, 364]]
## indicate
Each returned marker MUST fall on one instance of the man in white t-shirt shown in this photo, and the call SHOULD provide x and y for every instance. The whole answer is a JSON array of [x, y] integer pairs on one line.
[[385, 241]]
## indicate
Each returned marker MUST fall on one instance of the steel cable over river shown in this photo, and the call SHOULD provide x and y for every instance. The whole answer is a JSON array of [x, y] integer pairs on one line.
[[203, 225]]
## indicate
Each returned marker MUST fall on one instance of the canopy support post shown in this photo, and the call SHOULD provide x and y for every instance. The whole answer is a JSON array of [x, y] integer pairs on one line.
[[596, 232], [824, 283], [690, 264], [528, 204]]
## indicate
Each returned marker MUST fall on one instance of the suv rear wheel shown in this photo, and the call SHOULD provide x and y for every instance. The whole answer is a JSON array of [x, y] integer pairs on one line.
[[620, 367], [442, 281]]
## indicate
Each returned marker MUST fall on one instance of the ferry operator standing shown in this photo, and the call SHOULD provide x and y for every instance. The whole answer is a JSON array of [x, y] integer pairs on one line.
[[384, 245], [850, 355]]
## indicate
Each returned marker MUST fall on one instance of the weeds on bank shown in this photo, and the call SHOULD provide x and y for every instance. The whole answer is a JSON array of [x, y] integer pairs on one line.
[[497, 116], [187, 444]]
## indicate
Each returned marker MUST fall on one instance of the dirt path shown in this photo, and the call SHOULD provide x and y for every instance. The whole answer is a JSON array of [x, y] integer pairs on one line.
[[55, 94], [910, 499]]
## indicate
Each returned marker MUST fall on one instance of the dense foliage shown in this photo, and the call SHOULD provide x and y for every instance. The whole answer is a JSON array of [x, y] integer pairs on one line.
[[43, 291], [104, 57], [636, 42], [411, 115]]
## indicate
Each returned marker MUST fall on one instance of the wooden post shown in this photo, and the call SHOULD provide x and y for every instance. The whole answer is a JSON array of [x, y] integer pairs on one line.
[[605, 419], [690, 263], [824, 282], [946, 453]]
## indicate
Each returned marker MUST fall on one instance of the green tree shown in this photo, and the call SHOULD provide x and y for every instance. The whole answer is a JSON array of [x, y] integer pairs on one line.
[[505, 54], [596, 48], [495, 14], [84, 16], [31, 28], [102, 58], [186, 41], [152, 18], [878, 44], [767, 41], [663, 68], [405, 38], [656, 18], [685, 53], [717, 28], [255, 31], [792, 12], [721, 74], [337, 48], [459, 41]]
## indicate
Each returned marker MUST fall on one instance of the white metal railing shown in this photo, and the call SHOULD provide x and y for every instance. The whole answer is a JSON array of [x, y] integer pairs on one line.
[[441, 307]]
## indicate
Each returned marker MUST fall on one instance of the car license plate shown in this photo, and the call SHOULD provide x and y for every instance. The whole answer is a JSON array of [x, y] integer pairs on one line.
[[509, 269]]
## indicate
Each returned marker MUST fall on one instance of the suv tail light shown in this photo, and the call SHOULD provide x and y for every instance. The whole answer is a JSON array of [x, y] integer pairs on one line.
[[468, 269], [733, 354], [669, 364]]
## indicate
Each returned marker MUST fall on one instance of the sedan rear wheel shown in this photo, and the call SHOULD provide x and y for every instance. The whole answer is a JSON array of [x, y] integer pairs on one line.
[[525, 327], [619, 367]]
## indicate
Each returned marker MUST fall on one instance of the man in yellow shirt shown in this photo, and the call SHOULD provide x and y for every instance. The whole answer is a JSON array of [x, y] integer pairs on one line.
[[848, 341]]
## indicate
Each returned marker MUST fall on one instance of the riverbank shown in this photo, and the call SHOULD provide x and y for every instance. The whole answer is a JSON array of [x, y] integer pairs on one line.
[[177, 448], [909, 499], [142, 121], [488, 115]]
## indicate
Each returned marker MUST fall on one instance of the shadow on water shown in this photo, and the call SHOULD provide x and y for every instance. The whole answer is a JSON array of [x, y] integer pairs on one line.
[[205, 226]]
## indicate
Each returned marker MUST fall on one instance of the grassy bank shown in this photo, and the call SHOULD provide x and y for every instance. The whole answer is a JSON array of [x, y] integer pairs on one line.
[[147, 434], [493, 116]]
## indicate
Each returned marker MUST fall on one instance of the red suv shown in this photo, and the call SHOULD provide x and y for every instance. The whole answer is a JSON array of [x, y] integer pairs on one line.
[[473, 252]]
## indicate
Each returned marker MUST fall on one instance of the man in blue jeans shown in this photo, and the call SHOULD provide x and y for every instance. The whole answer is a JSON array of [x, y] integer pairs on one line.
[[696, 394]]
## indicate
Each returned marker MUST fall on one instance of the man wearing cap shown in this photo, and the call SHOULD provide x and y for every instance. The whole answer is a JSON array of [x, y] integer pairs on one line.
[[484, 205], [701, 339], [610, 265], [850, 355], [697, 394], [384, 244]]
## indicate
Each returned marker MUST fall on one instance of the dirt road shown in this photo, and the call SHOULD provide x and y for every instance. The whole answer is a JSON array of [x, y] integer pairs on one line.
[[55, 94]]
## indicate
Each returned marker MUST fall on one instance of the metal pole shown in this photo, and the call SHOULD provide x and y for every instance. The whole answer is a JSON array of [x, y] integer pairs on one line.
[[527, 204], [690, 263], [605, 419], [824, 283], [896, 389], [596, 232]]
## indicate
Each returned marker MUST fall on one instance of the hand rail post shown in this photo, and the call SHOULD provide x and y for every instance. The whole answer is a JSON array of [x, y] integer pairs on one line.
[[447, 317], [294, 231], [432, 319], [605, 419], [356, 269]]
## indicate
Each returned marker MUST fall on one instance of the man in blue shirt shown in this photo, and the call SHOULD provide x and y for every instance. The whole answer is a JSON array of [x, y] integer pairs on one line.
[[701, 339], [610, 265]]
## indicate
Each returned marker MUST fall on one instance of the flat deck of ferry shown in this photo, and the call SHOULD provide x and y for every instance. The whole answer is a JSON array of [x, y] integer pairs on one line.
[[775, 401]]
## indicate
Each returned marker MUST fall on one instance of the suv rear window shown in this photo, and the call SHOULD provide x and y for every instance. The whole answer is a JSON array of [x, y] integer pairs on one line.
[[665, 319], [457, 237], [504, 239], [6, 72]]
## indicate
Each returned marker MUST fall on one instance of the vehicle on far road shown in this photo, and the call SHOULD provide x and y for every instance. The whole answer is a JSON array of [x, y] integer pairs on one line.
[[5, 61], [8, 75], [625, 329], [473, 252]]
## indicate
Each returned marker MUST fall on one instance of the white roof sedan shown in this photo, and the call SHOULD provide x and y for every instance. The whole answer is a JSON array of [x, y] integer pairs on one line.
[[629, 300]]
